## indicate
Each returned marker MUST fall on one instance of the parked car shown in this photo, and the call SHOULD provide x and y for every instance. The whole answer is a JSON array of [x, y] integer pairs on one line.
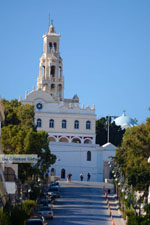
[[55, 186], [55, 191], [54, 183], [44, 202], [55, 194], [41, 218], [46, 212], [34, 222]]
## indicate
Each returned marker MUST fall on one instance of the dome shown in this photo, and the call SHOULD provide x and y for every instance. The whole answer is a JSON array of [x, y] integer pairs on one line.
[[125, 121], [75, 97]]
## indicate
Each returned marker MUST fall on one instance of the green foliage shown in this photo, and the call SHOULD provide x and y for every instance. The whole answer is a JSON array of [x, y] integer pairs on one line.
[[28, 206], [4, 218], [115, 132], [35, 191], [147, 209], [131, 217], [133, 154], [18, 216], [19, 136], [17, 114], [12, 138]]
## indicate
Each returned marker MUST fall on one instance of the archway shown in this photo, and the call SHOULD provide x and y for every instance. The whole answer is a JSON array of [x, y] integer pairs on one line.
[[63, 173], [63, 139], [76, 140], [52, 172]]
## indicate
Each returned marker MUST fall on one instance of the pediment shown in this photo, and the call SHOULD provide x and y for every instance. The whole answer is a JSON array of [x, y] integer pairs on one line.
[[109, 146], [43, 95]]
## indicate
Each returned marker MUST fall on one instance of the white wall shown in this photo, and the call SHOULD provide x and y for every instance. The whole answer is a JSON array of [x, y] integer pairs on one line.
[[73, 158], [11, 187]]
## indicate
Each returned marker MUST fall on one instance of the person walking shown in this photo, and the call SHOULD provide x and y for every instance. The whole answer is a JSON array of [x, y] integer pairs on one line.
[[81, 176], [69, 177], [88, 176]]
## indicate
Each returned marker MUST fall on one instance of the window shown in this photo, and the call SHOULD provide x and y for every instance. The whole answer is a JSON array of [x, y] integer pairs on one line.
[[51, 123], [39, 123], [76, 140], [43, 70], [63, 139], [87, 141], [59, 72], [76, 124], [52, 139], [64, 123], [88, 125], [88, 156], [50, 47], [52, 86], [63, 173], [9, 174], [52, 172], [55, 47], [53, 71]]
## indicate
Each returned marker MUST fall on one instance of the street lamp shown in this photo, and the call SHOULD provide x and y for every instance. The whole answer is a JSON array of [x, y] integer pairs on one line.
[[149, 186]]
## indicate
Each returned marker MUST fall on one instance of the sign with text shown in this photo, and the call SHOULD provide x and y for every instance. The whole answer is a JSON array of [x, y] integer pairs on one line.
[[18, 158]]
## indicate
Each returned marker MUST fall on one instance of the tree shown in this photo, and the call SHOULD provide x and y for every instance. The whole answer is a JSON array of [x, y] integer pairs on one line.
[[133, 154], [19, 136], [115, 132]]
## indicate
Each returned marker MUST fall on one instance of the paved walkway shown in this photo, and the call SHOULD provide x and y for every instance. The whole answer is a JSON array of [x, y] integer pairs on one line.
[[113, 208], [85, 203], [81, 203]]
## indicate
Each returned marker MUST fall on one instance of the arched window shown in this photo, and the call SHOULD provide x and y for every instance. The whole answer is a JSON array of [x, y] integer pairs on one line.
[[88, 125], [52, 139], [52, 86], [59, 88], [76, 140], [76, 124], [53, 71], [87, 141], [59, 72], [64, 123], [88, 156], [55, 47], [52, 172], [39, 123], [63, 173], [43, 70], [63, 139], [51, 123], [50, 47]]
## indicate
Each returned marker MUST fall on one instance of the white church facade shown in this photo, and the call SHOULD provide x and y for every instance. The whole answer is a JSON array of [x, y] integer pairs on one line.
[[71, 127]]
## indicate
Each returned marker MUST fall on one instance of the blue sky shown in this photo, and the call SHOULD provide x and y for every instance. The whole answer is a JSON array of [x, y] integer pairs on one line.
[[105, 46]]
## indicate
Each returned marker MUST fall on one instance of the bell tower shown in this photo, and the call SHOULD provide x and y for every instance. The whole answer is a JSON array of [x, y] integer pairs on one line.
[[50, 77]]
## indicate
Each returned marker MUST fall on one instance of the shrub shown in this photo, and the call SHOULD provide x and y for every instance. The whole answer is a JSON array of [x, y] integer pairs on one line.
[[18, 216], [131, 217], [28, 206], [4, 218]]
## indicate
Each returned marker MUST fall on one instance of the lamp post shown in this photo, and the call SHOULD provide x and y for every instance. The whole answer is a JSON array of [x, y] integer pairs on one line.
[[148, 200], [108, 122]]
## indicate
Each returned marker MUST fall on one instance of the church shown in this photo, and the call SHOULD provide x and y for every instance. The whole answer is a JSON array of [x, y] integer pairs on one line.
[[71, 127]]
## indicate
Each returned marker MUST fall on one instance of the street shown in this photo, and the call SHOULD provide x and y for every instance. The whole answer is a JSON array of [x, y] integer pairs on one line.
[[81, 203]]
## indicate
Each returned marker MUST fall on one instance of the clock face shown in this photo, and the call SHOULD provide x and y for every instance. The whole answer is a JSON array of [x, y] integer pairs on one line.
[[39, 106]]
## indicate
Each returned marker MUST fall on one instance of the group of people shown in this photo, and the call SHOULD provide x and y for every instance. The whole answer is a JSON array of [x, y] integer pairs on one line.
[[81, 177], [88, 176]]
